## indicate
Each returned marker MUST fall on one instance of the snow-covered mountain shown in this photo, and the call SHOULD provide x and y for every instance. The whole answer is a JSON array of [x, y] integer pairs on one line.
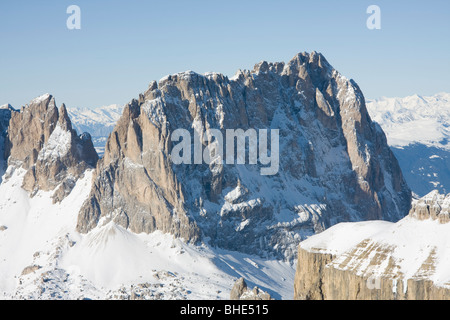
[[43, 257], [135, 224], [334, 162], [99, 122], [414, 119], [418, 130]]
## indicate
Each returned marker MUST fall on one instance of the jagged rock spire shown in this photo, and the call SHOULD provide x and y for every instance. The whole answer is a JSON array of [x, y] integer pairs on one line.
[[41, 140]]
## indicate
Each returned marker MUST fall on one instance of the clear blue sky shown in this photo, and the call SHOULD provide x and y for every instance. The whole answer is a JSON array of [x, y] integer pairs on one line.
[[123, 45]]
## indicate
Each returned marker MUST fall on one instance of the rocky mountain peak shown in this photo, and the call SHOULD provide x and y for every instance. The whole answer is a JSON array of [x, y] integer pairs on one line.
[[434, 206], [41, 140], [64, 119], [334, 162]]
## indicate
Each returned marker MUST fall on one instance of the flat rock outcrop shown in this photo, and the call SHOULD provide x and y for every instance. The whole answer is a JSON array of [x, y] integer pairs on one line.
[[378, 260], [316, 280]]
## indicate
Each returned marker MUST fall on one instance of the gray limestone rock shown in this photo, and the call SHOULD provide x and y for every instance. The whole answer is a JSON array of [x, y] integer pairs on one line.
[[334, 162], [41, 140]]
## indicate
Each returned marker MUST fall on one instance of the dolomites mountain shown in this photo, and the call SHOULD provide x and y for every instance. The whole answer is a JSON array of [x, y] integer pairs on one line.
[[41, 140], [136, 225], [434, 206], [335, 164], [380, 260]]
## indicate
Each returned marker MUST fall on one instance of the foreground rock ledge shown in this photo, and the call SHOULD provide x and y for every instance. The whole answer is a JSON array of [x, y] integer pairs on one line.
[[380, 260], [316, 280]]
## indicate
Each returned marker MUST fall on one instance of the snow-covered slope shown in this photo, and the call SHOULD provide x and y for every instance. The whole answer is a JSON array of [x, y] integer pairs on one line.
[[409, 249], [418, 131], [409, 242], [414, 119], [425, 168], [43, 257]]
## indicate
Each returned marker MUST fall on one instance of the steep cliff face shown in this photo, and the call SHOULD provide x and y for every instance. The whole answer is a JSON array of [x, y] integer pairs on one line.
[[334, 162], [316, 281], [380, 260], [41, 140]]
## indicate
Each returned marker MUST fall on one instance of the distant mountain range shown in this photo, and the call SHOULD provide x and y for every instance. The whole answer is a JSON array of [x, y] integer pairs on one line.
[[99, 122], [418, 131]]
